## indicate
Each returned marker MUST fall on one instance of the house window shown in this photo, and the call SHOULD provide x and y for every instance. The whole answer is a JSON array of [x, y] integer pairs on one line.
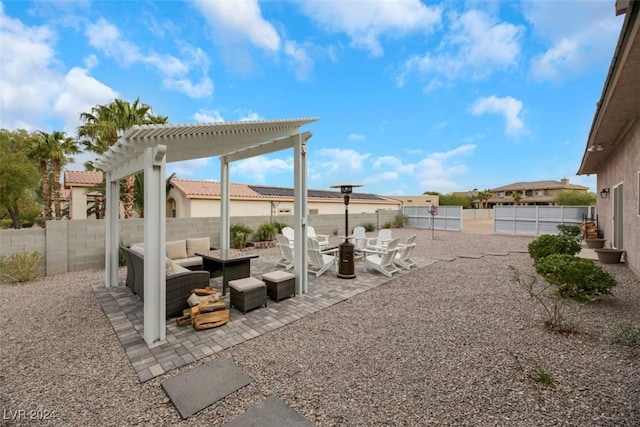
[[313, 211], [500, 194], [529, 193], [284, 211], [539, 193], [409, 201]]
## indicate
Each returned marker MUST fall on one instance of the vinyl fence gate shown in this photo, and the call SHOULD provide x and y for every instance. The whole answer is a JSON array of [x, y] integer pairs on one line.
[[538, 220], [447, 218]]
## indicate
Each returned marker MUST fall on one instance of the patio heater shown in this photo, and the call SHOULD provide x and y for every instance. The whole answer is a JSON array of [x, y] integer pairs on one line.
[[346, 268]]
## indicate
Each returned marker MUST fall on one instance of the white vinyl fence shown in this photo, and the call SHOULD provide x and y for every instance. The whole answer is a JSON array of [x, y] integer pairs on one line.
[[537, 220], [446, 218]]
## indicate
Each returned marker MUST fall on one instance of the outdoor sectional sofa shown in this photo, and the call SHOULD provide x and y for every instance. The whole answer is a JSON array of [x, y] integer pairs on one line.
[[180, 280]]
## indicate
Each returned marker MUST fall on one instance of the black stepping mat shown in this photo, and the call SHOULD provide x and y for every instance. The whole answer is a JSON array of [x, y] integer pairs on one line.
[[200, 387], [272, 412]]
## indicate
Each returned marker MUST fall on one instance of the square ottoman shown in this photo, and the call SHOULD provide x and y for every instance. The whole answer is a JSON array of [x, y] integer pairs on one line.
[[280, 284], [247, 294]]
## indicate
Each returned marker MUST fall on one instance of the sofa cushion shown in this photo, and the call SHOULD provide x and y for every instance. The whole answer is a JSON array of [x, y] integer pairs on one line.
[[138, 247], [173, 267], [200, 244], [188, 262], [177, 249]]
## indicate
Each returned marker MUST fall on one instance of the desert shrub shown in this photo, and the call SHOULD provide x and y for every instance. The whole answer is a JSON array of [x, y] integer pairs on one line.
[[240, 234], [21, 266], [279, 226], [626, 333], [548, 244], [576, 278], [558, 313], [369, 226], [399, 221], [386, 225], [265, 232], [570, 230]]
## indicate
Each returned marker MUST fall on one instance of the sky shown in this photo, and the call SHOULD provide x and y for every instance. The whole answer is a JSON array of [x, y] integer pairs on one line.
[[410, 96]]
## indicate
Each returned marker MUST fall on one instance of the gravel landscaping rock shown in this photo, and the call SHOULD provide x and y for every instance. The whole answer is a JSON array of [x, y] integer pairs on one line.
[[454, 343]]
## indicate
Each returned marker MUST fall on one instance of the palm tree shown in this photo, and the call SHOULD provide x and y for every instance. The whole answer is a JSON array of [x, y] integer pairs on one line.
[[517, 196], [106, 123], [51, 151], [484, 197]]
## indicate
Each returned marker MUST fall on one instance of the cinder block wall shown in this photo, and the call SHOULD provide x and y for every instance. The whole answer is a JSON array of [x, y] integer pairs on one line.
[[80, 244]]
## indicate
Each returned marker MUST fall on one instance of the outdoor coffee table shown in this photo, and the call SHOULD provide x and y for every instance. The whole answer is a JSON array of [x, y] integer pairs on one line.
[[230, 264]]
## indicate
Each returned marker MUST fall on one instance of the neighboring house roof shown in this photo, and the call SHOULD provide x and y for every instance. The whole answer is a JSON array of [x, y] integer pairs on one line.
[[617, 109], [530, 199], [540, 185], [195, 189], [82, 178]]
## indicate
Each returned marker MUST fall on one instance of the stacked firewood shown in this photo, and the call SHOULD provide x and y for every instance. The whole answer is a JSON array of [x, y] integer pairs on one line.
[[589, 230], [206, 311]]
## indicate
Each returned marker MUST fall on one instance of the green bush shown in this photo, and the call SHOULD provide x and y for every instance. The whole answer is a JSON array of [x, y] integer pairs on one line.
[[548, 244], [386, 225], [240, 234], [265, 232], [626, 333], [279, 226], [399, 221], [576, 278], [570, 230], [369, 226], [22, 266]]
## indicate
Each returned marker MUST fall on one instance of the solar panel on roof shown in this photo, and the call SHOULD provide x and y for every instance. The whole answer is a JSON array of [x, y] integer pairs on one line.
[[321, 194]]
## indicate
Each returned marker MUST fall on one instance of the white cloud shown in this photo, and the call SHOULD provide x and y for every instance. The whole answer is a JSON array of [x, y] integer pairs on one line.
[[79, 93], [436, 172], [208, 116], [189, 168], [476, 47], [336, 165], [366, 23], [257, 169], [578, 37], [508, 107], [106, 38], [29, 78], [300, 60], [356, 137], [239, 20]]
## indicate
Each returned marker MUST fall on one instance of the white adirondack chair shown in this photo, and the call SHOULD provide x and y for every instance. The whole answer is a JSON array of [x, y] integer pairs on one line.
[[289, 234], [358, 239], [286, 256], [323, 239], [380, 241], [382, 260], [403, 256], [319, 262]]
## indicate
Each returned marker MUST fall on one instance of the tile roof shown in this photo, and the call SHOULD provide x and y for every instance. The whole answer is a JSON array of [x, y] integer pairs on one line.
[[539, 185], [211, 189], [82, 178]]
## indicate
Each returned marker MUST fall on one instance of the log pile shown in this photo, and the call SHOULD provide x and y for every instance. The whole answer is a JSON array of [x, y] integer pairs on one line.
[[589, 230], [206, 311]]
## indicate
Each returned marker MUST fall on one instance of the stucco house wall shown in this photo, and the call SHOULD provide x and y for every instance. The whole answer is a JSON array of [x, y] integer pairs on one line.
[[623, 167]]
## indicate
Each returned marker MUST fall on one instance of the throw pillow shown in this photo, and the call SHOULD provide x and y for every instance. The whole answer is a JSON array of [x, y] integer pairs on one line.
[[200, 244], [177, 249]]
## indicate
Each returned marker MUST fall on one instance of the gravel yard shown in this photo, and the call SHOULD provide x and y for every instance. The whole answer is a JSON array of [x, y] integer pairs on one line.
[[455, 343]]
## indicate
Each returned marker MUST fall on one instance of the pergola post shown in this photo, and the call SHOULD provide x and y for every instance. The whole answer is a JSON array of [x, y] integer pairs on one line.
[[155, 297], [224, 203], [112, 232], [300, 211]]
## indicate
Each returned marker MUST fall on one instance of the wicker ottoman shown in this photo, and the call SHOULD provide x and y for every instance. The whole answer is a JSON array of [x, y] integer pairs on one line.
[[247, 294], [280, 284]]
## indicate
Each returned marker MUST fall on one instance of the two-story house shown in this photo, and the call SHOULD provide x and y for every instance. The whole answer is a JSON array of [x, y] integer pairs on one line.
[[532, 193]]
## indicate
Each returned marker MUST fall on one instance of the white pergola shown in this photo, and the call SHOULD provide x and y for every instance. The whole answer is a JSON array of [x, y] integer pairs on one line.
[[148, 148]]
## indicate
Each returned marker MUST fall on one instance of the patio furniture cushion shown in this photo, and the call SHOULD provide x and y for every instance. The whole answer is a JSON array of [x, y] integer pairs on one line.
[[199, 244], [176, 249], [246, 284], [194, 261]]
